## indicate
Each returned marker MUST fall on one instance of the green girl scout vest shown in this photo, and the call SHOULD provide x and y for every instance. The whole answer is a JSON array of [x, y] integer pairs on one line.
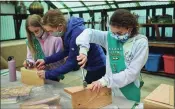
[[39, 52], [117, 63]]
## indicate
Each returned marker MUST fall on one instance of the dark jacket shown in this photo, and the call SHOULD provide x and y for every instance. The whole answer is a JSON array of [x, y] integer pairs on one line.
[[96, 56]]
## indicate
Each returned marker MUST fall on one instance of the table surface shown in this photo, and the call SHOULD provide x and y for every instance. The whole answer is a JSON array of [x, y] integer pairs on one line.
[[58, 89]]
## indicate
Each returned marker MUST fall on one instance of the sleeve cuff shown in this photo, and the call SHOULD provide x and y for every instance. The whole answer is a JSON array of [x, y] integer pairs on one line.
[[103, 82], [83, 50], [46, 60], [46, 74]]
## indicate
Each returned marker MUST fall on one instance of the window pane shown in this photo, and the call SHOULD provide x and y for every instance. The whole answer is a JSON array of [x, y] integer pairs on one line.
[[99, 7], [79, 9], [23, 33], [94, 3], [73, 4], [7, 28]]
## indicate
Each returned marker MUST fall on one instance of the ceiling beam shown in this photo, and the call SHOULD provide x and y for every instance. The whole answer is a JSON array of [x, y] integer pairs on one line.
[[66, 7], [138, 4], [108, 3], [49, 3], [115, 3], [130, 8], [89, 6], [84, 5]]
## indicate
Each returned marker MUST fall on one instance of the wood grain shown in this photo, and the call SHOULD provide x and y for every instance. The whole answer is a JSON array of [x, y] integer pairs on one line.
[[15, 91], [86, 99], [161, 97], [30, 77]]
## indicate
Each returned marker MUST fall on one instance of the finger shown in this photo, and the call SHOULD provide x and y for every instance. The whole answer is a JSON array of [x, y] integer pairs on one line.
[[79, 58], [82, 62], [82, 66], [25, 65], [42, 67], [98, 88], [39, 64], [94, 88], [36, 63], [92, 85]]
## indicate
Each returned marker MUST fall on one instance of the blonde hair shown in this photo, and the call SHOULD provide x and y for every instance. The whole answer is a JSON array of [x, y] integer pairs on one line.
[[54, 18], [35, 21]]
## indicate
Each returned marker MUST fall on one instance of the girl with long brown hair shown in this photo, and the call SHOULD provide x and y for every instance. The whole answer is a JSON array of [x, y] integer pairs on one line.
[[40, 43]]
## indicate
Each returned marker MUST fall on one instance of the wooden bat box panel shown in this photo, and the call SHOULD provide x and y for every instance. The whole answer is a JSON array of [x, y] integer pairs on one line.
[[30, 77], [86, 99]]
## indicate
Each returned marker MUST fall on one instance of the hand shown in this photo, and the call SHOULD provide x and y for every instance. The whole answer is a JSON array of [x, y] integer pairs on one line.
[[65, 58], [41, 67], [96, 85], [25, 64], [28, 64], [39, 63], [41, 74], [82, 59]]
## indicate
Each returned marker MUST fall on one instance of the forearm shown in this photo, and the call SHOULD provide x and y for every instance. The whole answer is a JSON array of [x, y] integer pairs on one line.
[[55, 57], [91, 36], [63, 69]]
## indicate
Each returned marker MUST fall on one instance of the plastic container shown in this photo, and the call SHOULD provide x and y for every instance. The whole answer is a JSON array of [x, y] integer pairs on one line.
[[12, 69], [153, 62], [169, 64]]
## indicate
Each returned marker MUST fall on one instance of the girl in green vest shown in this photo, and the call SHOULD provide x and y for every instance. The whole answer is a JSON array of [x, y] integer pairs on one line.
[[127, 53], [41, 44]]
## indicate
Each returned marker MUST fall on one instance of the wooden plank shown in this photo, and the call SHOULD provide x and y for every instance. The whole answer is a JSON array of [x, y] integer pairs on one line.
[[158, 24], [40, 106], [155, 95], [72, 90], [30, 77], [37, 101], [161, 97], [159, 73], [171, 95], [162, 44], [15, 91], [85, 98], [148, 104]]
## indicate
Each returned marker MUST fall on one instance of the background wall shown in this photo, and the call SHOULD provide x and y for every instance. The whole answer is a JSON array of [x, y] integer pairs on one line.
[[13, 48]]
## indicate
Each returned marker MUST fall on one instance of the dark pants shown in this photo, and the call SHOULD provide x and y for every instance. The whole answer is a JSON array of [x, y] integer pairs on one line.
[[95, 75]]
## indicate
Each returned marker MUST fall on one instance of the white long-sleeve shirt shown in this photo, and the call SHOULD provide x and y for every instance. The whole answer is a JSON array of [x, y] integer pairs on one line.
[[135, 52]]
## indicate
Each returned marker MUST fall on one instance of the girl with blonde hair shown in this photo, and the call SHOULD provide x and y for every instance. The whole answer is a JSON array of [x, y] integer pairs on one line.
[[40, 44]]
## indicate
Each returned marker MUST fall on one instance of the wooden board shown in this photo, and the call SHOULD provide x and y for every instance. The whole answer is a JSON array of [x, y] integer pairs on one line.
[[41, 106], [161, 97], [48, 101], [30, 77], [86, 99], [44, 103], [148, 104], [15, 91]]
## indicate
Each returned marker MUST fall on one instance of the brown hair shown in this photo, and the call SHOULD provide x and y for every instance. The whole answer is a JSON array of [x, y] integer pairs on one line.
[[53, 18], [123, 18], [32, 20]]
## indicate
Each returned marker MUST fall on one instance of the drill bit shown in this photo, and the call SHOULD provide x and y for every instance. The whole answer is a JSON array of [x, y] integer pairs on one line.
[[84, 82]]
